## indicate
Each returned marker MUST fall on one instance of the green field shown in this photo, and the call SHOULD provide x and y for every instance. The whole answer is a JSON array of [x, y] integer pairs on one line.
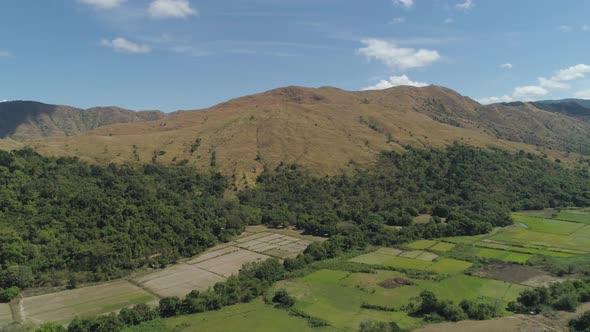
[[581, 216], [532, 234], [443, 246], [337, 296], [253, 316], [545, 225], [422, 244]]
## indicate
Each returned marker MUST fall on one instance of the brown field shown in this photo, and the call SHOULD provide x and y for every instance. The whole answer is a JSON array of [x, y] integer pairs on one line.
[[5, 314], [516, 323], [217, 264], [201, 272], [87, 301], [516, 273]]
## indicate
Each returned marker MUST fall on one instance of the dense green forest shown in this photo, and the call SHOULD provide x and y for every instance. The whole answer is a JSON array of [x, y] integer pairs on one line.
[[65, 221], [471, 189]]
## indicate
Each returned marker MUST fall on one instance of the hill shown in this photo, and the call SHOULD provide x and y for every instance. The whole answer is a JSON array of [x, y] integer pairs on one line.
[[22, 120], [578, 108], [327, 129]]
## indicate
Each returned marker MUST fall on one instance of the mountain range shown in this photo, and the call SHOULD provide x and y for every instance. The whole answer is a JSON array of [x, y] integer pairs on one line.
[[326, 129]]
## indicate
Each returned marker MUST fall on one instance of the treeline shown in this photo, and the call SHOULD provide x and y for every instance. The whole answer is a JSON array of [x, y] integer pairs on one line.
[[566, 296], [66, 221], [471, 190], [63, 221], [432, 309]]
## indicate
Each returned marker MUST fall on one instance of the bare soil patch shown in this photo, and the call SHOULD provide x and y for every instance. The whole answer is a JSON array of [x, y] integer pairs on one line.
[[395, 283], [510, 272]]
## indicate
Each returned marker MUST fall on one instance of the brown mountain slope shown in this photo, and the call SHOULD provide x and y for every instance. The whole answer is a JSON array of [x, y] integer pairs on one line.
[[323, 128], [22, 120]]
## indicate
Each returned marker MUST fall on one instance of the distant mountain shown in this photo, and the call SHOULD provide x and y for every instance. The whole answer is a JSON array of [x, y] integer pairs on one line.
[[24, 120], [326, 129], [578, 108]]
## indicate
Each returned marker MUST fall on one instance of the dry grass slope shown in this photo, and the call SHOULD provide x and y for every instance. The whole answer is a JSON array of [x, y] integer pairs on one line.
[[323, 128]]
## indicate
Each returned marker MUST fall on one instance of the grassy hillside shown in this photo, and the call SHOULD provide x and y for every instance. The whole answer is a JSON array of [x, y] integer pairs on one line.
[[22, 120], [323, 129]]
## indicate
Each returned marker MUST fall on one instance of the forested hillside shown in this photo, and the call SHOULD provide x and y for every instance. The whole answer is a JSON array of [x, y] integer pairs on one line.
[[62, 219]]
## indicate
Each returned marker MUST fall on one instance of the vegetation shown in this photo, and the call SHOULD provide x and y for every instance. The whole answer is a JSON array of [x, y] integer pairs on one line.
[[581, 323], [64, 220], [559, 296], [434, 310], [67, 222], [473, 189]]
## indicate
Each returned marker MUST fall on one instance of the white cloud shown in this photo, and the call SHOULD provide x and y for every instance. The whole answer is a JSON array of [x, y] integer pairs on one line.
[[103, 4], [506, 65], [571, 73], [397, 58], [584, 94], [585, 27], [465, 5], [124, 46], [529, 91], [493, 100], [398, 20], [395, 81], [405, 3], [3, 100], [448, 20], [556, 81], [171, 9], [564, 28], [551, 83], [5, 54]]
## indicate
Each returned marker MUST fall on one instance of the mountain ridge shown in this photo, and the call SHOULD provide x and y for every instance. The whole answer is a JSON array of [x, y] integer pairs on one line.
[[23, 120], [327, 129]]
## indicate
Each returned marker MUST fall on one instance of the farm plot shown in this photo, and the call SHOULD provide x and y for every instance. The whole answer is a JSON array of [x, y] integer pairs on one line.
[[87, 301], [215, 265], [273, 244], [337, 296], [5, 315], [581, 216], [253, 316]]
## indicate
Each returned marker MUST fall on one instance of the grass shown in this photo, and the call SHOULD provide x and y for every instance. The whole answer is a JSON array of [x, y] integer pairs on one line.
[[443, 246], [375, 257], [422, 244], [497, 254], [544, 225], [337, 296], [580, 216], [253, 316]]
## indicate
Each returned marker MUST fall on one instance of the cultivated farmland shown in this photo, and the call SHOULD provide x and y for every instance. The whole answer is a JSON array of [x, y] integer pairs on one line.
[[87, 301], [200, 273], [5, 314]]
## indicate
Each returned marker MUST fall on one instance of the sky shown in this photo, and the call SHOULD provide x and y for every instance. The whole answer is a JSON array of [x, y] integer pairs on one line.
[[191, 54]]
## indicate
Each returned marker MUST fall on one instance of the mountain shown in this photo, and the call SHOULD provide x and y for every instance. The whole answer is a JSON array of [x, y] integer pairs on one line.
[[22, 120], [578, 108], [326, 129]]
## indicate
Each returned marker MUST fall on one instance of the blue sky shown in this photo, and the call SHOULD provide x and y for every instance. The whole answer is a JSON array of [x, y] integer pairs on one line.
[[188, 54]]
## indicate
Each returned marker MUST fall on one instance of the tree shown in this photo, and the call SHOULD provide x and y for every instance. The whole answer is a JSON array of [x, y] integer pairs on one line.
[[581, 323], [50, 327], [374, 326], [169, 306], [283, 299]]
